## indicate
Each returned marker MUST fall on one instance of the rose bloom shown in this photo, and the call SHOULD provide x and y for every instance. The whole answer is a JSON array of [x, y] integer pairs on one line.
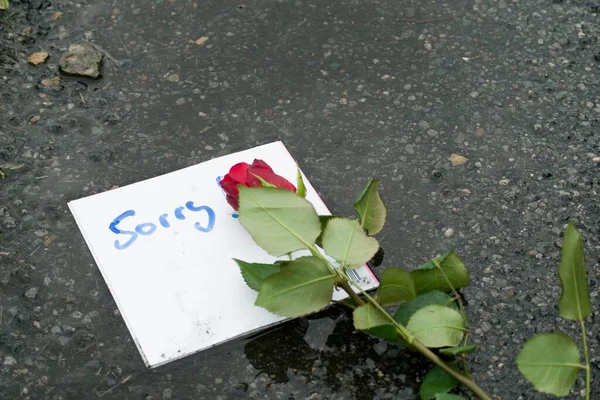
[[246, 175]]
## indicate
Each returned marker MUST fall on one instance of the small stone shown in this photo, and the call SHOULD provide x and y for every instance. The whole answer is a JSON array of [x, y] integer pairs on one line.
[[173, 78], [486, 326], [26, 32], [456, 159], [63, 340], [34, 120], [38, 58], [51, 82], [423, 125], [479, 132], [201, 40], [93, 364], [381, 347], [32, 292], [596, 159], [449, 232], [70, 298], [56, 16], [240, 390], [82, 59], [504, 182], [8, 360]]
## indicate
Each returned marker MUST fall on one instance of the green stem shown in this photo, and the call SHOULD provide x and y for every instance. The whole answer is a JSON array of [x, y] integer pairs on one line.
[[461, 308], [588, 372], [343, 282], [357, 300], [405, 333], [470, 384], [421, 348]]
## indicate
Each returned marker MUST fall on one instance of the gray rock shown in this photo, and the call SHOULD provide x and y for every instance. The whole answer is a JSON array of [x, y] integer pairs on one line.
[[63, 340], [8, 360], [82, 59], [32, 292]]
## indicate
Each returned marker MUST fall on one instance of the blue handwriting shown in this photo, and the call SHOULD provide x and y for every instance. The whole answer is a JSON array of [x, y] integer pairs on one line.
[[235, 215], [148, 228]]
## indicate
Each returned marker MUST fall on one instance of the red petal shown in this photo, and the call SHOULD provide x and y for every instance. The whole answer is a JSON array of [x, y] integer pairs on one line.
[[234, 202], [229, 185], [239, 172], [261, 164], [272, 178]]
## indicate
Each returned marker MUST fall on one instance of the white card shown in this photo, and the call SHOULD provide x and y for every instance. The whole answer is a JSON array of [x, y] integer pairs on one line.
[[165, 248]]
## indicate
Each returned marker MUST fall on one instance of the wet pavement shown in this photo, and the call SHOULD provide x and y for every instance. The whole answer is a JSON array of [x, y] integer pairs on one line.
[[390, 89]]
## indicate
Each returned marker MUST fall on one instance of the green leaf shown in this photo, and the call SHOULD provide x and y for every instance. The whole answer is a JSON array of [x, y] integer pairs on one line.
[[551, 362], [279, 221], [454, 351], [406, 310], [370, 320], [370, 209], [323, 220], [367, 316], [437, 382], [304, 286], [3, 4], [437, 326], [301, 188], [348, 302], [396, 286], [263, 182], [575, 299], [446, 396], [387, 332], [254, 273], [282, 263], [344, 240], [428, 277]]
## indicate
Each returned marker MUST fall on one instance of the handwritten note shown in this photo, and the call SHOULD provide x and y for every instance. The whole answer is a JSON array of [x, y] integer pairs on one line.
[[165, 247]]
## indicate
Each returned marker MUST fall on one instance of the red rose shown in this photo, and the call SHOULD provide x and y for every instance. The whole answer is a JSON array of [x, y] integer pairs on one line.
[[246, 175]]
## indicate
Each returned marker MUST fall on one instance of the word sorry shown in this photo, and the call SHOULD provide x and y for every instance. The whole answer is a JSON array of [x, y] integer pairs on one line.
[[148, 228]]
